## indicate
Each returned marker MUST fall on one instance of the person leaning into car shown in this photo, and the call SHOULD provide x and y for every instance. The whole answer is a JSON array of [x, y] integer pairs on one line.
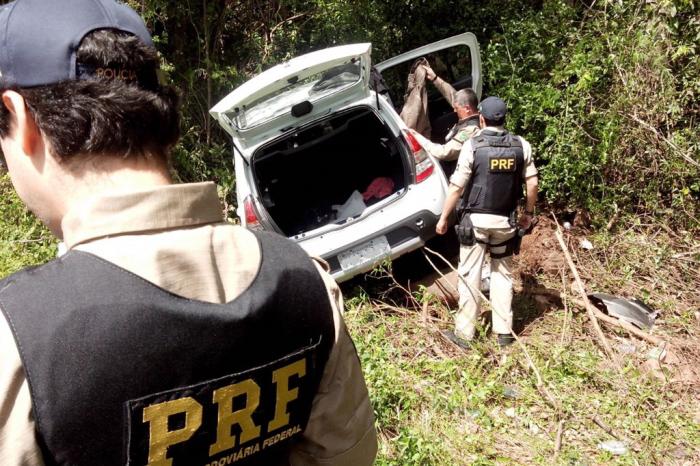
[[490, 172], [165, 335], [465, 103]]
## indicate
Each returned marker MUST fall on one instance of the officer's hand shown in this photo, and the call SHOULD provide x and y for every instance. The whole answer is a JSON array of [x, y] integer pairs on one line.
[[416, 134], [441, 227], [429, 73], [525, 221]]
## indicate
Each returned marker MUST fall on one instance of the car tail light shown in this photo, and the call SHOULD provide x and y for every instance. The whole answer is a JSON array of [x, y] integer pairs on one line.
[[424, 166], [252, 220]]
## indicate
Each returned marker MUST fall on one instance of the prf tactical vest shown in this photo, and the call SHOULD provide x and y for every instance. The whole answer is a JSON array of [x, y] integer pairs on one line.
[[496, 180], [124, 372]]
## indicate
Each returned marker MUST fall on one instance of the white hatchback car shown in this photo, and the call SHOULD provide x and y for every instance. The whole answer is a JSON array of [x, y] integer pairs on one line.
[[323, 159]]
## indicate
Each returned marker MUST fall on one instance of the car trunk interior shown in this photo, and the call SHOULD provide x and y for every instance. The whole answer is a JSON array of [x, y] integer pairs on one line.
[[329, 171]]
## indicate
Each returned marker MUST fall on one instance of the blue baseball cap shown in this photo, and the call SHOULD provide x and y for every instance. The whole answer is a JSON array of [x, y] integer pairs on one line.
[[39, 38], [493, 108]]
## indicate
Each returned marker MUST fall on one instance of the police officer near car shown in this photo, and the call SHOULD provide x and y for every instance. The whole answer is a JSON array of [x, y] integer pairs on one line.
[[465, 103], [487, 184], [165, 335]]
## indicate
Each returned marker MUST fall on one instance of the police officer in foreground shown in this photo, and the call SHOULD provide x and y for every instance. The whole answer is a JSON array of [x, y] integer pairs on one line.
[[465, 103], [164, 336], [491, 170]]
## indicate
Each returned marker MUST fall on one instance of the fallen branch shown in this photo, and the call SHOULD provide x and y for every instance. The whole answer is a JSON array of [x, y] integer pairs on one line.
[[552, 401], [663, 138], [558, 441], [641, 334], [25, 241], [613, 219], [590, 309], [596, 420], [692, 252], [425, 314], [428, 323], [403, 288]]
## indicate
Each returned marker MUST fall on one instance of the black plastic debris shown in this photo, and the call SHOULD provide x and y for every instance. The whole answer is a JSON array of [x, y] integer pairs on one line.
[[633, 311]]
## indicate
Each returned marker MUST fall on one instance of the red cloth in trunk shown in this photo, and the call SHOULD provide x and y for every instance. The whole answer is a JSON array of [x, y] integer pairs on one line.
[[379, 188]]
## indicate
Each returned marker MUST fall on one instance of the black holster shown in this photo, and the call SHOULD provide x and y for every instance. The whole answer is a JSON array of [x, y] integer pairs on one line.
[[465, 230], [516, 242]]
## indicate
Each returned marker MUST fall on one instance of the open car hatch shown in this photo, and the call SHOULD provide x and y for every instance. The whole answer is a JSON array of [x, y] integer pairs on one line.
[[293, 93]]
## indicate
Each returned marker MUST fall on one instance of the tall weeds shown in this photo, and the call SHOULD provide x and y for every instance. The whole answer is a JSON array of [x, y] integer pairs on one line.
[[608, 94]]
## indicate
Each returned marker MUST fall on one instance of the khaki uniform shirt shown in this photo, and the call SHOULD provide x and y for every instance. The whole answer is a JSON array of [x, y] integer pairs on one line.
[[175, 236], [451, 149], [445, 88], [448, 151], [463, 172]]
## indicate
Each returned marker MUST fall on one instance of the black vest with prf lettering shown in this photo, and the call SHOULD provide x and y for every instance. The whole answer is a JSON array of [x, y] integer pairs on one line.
[[496, 180], [124, 372]]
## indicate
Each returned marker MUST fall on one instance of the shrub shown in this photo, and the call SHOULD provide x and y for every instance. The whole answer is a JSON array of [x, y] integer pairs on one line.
[[608, 97]]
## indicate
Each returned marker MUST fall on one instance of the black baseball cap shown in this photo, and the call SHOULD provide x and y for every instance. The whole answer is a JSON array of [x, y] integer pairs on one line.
[[493, 108], [39, 38]]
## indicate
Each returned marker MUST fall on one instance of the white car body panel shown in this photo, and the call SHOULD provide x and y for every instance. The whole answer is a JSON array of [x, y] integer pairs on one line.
[[278, 77], [415, 204]]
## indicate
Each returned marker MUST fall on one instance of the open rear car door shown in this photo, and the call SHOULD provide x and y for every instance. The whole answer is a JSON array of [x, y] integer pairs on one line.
[[456, 60]]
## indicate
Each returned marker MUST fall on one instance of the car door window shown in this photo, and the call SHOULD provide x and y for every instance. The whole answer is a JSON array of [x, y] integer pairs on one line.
[[455, 59], [453, 65]]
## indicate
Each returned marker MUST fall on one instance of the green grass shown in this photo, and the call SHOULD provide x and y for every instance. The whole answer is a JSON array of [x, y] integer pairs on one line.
[[438, 405], [24, 241]]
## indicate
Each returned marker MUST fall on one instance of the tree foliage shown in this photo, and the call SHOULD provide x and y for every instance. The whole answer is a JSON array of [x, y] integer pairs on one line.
[[609, 96], [607, 92]]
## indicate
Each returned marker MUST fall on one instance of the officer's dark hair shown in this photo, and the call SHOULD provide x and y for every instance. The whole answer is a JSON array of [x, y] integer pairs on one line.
[[500, 122], [106, 116], [466, 97]]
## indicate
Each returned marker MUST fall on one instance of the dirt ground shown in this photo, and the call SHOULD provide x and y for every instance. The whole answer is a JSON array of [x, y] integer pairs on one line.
[[538, 271], [540, 254]]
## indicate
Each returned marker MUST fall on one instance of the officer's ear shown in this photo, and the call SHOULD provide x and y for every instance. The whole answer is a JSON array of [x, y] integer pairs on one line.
[[23, 128], [482, 122]]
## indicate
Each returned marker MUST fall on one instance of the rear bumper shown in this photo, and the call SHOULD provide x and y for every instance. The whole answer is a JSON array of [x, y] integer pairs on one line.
[[407, 223], [404, 236]]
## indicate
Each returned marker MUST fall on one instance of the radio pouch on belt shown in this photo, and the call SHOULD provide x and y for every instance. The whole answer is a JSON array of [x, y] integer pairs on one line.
[[465, 230], [513, 244]]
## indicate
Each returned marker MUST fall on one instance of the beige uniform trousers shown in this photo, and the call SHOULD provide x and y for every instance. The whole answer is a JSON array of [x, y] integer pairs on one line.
[[471, 260]]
